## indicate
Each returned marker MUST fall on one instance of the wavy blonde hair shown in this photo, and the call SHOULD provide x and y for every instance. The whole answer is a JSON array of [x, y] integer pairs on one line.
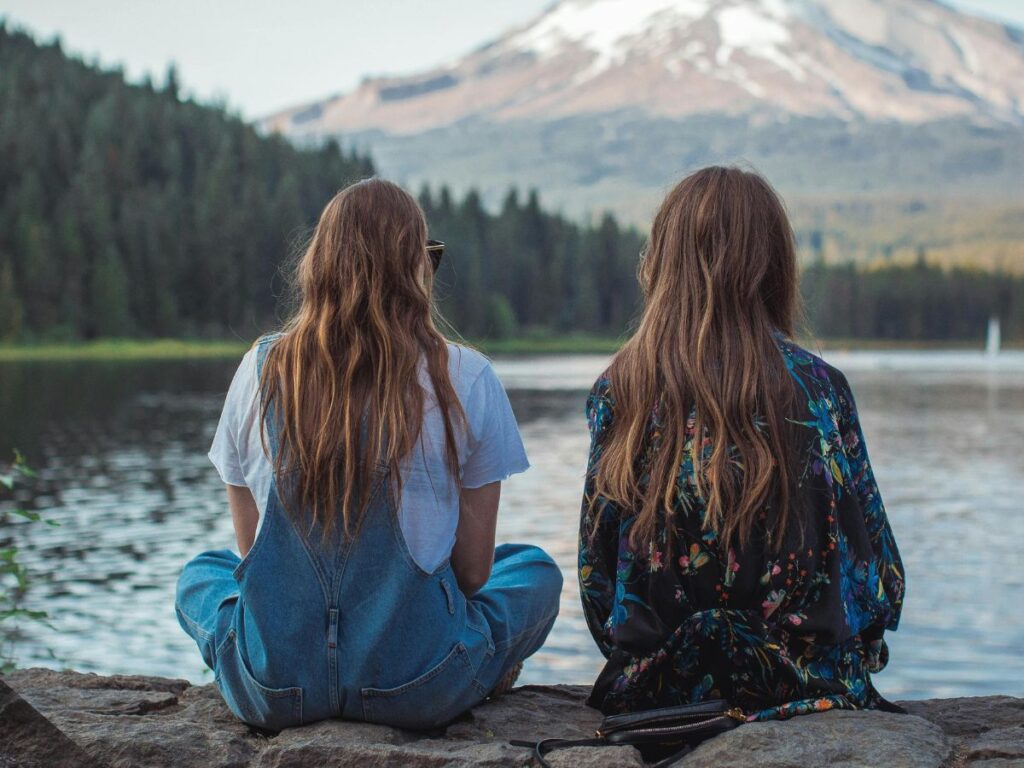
[[719, 278], [343, 382]]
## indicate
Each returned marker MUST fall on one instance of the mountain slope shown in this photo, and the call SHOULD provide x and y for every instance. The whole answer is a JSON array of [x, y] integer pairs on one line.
[[903, 60], [887, 124]]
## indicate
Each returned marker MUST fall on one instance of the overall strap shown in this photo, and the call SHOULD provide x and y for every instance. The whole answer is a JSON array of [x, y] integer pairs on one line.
[[263, 345], [325, 559]]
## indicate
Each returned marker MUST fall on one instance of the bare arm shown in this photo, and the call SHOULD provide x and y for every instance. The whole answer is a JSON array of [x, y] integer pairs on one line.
[[245, 515], [473, 554]]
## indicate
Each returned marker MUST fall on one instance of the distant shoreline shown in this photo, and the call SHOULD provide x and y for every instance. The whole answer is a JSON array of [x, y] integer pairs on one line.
[[192, 349]]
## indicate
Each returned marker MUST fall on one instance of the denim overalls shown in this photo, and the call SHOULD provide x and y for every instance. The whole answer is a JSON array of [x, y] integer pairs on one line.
[[307, 628]]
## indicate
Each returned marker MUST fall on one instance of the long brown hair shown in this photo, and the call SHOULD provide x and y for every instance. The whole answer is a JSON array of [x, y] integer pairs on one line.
[[342, 383], [719, 277]]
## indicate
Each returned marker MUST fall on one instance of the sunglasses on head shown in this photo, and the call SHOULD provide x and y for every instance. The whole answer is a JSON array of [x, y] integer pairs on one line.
[[435, 250]]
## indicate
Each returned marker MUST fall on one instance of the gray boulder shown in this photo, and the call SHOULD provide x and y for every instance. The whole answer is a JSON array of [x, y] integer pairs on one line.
[[137, 722]]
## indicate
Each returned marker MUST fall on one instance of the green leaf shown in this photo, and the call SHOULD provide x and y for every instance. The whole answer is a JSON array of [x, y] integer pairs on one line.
[[7, 481], [24, 613], [21, 466], [35, 517]]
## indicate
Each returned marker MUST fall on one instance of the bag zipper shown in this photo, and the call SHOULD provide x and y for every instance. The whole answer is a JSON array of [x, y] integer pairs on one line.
[[731, 714]]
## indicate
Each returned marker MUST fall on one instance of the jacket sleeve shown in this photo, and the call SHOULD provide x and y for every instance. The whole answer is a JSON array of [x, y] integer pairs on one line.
[[599, 529], [889, 597]]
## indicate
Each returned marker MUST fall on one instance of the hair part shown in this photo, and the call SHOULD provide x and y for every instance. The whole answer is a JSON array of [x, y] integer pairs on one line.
[[720, 279], [342, 382]]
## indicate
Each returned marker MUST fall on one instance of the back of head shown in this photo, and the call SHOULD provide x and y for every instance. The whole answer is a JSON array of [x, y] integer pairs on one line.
[[719, 277], [343, 381]]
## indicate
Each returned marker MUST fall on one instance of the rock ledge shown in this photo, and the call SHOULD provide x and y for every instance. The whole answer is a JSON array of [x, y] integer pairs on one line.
[[92, 721]]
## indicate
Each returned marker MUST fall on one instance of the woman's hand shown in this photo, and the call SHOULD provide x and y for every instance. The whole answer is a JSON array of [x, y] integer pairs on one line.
[[473, 554], [245, 515]]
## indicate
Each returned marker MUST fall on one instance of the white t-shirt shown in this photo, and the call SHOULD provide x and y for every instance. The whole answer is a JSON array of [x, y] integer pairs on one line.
[[490, 450]]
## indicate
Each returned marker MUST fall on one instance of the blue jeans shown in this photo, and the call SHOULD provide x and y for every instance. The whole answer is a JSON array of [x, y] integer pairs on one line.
[[504, 623]]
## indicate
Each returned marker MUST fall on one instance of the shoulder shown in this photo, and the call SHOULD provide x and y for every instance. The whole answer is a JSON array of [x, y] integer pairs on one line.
[[810, 367], [474, 379], [599, 404], [820, 380], [600, 395], [247, 372], [262, 346], [466, 366], [242, 395], [602, 389]]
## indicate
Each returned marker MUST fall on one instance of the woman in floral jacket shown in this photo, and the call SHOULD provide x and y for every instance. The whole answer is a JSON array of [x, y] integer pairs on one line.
[[733, 541]]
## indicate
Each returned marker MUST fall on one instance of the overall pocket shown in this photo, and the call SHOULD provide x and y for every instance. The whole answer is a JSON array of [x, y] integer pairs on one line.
[[430, 700], [250, 700]]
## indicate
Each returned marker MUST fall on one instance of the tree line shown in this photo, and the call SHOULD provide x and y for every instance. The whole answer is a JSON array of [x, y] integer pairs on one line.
[[919, 301], [127, 211], [524, 270]]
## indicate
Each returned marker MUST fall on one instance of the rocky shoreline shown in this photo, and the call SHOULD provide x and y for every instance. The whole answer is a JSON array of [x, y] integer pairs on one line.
[[75, 720]]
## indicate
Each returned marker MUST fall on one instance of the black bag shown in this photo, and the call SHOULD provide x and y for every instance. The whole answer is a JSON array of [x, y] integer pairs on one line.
[[660, 734]]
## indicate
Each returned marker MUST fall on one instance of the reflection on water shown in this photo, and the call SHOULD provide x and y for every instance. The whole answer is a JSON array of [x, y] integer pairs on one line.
[[122, 448]]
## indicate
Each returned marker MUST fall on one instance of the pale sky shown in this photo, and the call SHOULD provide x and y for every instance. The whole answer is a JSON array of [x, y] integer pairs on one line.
[[263, 55]]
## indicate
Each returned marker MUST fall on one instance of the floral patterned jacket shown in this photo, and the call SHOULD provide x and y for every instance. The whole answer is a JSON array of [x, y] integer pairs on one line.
[[774, 633]]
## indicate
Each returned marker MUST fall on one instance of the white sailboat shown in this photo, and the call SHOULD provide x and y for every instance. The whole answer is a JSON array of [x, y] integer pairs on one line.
[[993, 340]]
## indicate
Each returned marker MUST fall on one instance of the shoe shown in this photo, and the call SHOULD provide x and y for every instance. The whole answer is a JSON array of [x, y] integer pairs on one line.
[[504, 685]]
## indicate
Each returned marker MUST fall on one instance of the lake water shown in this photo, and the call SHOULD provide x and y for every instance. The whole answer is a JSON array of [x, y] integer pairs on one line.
[[122, 453]]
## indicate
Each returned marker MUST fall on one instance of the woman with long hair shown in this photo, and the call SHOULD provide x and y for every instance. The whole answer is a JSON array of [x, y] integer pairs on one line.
[[363, 456], [733, 542]]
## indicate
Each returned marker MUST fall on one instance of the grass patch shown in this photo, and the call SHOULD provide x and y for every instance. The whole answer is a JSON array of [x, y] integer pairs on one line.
[[124, 349], [177, 349], [572, 344]]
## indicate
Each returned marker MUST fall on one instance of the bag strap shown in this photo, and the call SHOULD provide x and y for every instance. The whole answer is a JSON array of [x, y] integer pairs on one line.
[[882, 703], [543, 747], [887, 706]]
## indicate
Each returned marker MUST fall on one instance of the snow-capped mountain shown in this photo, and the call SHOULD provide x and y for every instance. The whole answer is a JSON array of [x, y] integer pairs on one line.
[[888, 121], [909, 61]]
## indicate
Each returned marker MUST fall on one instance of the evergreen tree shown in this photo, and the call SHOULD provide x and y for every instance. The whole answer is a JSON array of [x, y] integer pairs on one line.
[[109, 296], [171, 85], [197, 207], [128, 210], [11, 313]]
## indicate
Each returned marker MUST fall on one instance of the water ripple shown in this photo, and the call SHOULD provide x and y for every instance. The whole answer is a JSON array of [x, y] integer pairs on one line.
[[122, 450]]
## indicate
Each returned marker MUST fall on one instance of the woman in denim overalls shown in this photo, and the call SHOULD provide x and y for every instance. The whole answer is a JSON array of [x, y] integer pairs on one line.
[[363, 456]]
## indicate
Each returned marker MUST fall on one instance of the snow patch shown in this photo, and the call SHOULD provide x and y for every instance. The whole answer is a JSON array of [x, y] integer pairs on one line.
[[741, 26], [757, 31], [604, 26], [614, 29]]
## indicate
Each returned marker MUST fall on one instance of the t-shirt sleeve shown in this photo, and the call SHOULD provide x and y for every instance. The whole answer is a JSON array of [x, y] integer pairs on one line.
[[228, 441], [495, 448]]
